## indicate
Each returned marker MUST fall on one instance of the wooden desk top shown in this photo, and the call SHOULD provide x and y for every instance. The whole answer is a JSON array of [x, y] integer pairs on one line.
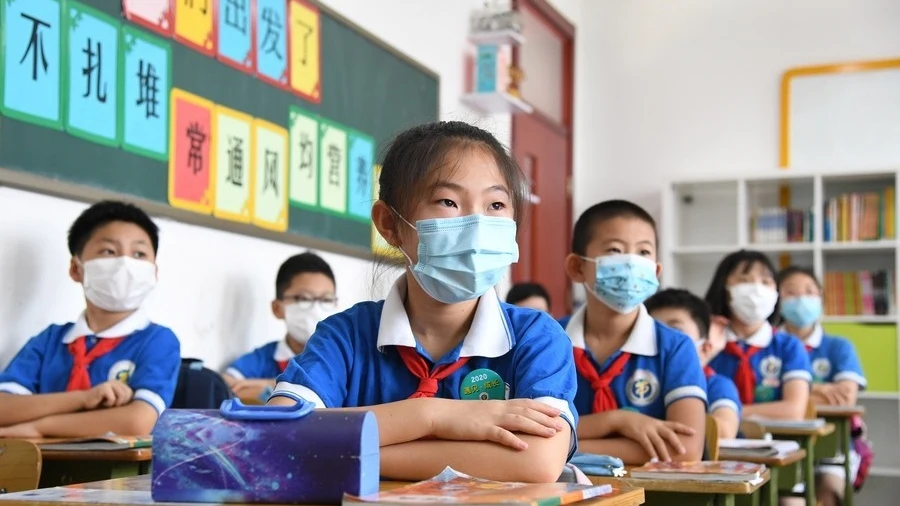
[[135, 490], [684, 486], [778, 461], [824, 430], [840, 411], [129, 455]]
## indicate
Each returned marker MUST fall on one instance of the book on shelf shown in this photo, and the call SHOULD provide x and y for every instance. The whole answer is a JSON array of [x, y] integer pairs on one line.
[[98, 443], [780, 225], [738, 448], [865, 216], [452, 487], [720, 471], [862, 293]]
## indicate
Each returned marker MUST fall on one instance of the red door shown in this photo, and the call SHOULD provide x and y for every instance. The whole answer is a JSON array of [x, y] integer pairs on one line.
[[541, 148], [542, 144]]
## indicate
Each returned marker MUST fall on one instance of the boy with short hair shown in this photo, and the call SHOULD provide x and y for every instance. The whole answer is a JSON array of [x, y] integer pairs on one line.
[[304, 295], [531, 295], [641, 391], [684, 311], [112, 370]]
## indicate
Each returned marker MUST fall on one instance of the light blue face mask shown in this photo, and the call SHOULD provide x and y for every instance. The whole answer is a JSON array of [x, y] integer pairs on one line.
[[461, 258], [802, 312], [624, 281]]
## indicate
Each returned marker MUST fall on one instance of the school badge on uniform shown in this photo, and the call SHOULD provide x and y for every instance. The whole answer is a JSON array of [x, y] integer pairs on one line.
[[642, 388], [821, 369], [771, 371], [121, 371], [483, 385]]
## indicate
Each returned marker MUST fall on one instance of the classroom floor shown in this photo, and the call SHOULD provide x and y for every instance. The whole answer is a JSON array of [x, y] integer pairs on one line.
[[879, 490]]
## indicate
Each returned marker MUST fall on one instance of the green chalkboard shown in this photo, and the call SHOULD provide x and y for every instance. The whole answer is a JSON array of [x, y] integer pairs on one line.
[[366, 86]]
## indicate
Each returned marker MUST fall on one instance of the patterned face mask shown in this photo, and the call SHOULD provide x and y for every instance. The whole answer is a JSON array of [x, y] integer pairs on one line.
[[624, 281]]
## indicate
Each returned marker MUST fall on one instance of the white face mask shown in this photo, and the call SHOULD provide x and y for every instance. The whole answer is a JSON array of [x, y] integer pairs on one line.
[[301, 322], [752, 303], [119, 283]]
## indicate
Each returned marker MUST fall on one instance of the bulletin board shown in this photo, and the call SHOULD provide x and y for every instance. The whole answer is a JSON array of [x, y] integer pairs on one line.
[[841, 116], [261, 117]]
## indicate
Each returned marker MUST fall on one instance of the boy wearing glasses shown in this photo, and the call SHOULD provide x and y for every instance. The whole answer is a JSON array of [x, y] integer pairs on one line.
[[304, 295]]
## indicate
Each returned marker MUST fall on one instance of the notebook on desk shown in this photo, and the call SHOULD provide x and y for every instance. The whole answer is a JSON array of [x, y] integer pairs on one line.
[[815, 423], [756, 447], [452, 487], [717, 471], [97, 443]]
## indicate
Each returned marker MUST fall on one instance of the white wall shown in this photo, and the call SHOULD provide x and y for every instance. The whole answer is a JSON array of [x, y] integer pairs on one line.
[[671, 89], [215, 287]]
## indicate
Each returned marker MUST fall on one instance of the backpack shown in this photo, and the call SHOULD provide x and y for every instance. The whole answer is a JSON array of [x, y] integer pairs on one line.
[[861, 445], [199, 387]]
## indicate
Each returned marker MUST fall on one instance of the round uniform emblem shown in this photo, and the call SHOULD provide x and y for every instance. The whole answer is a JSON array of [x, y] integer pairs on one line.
[[483, 385], [642, 388], [121, 371], [821, 368], [771, 371]]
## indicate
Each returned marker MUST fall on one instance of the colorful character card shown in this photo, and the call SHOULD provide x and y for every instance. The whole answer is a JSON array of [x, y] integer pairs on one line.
[[195, 25], [270, 200], [234, 165], [236, 32], [306, 64], [154, 15], [191, 166], [304, 168], [145, 64], [332, 167]]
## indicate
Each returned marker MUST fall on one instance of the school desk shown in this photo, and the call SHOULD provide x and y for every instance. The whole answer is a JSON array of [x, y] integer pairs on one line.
[[840, 416], [689, 492], [65, 467], [806, 437], [135, 491], [775, 465]]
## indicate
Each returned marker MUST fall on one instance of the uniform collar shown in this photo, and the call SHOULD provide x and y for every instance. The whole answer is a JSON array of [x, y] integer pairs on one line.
[[283, 352], [489, 336], [641, 341], [136, 321], [814, 340], [762, 338]]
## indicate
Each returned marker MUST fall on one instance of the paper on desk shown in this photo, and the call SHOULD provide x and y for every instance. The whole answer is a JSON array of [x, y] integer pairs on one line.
[[85, 496]]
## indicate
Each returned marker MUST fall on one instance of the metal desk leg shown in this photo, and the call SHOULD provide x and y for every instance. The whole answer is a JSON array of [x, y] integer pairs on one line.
[[770, 489], [809, 471], [843, 425]]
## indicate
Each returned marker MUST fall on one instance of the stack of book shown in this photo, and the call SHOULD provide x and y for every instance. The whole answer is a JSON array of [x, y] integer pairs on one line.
[[860, 216], [779, 225], [714, 471], [860, 293]]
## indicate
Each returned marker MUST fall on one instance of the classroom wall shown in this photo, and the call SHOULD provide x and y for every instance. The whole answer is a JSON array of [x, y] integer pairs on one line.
[[674, 89], [215, 287]]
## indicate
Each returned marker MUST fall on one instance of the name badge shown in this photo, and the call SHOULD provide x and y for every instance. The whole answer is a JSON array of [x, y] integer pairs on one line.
[[482, 385]]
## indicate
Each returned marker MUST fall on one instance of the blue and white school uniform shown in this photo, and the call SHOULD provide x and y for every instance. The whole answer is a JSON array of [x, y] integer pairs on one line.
[[663, 367], [833, 359], [147, 359], [721, 393], [264, 362], [781, 358], [351, 359]]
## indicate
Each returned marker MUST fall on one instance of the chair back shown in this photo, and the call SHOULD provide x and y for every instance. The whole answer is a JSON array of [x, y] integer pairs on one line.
[[20, 465]]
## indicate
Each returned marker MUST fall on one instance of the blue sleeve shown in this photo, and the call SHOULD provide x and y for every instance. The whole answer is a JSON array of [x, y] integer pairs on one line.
[[248, 366], [795, 360], [22, 375], [846, 363], [545, 368], [723, 394], [156, 369], [320, 373], [683, 376]]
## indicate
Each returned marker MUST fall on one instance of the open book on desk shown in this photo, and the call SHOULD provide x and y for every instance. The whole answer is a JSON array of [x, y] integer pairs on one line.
[[767, 423], [712, 471], [96, 443]]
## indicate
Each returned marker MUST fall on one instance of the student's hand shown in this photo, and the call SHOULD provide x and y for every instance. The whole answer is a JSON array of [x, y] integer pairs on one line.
[[830, 394], [108, 395], [657, 437], [27, 430], [496, 421]]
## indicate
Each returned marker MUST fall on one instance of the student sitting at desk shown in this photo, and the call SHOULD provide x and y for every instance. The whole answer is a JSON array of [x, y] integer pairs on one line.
[[641, 390], [837, 373], [684, 311], [453, 376], [304, 296], [112, 370], [770, 368]]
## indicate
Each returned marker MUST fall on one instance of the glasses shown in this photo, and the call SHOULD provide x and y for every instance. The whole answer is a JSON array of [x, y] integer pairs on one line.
[[305, 302]]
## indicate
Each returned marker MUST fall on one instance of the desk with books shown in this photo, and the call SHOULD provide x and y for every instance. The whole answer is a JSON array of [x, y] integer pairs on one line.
[[841, 417], [806, 433], [135, 491], [66, 462], [709, 485], [781, 456]]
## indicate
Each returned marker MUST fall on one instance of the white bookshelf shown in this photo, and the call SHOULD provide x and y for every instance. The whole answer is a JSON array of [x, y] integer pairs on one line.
[[705, 219]]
